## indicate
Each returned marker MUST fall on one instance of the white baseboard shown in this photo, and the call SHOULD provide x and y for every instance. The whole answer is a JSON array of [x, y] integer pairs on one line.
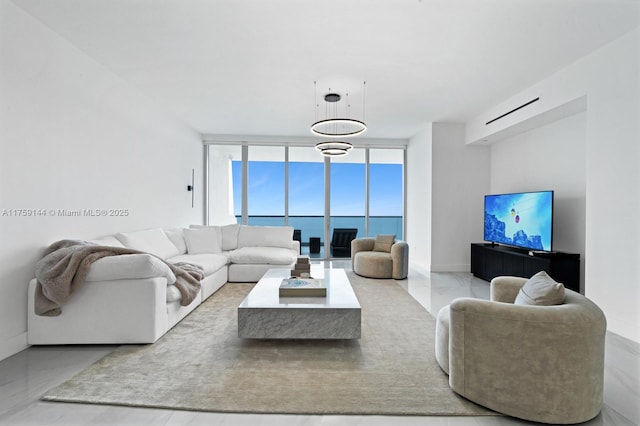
[[451, 268], [13, 345]]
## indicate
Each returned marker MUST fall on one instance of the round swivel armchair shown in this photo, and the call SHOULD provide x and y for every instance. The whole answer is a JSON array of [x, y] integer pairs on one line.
[[380, 257], [538, 363]]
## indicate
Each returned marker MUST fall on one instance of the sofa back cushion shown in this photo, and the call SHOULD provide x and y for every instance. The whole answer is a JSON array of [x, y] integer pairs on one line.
[[265, 236], [263, 256], [129, 267], [203, 240], [153, 241], [209, 262], [228, 235]]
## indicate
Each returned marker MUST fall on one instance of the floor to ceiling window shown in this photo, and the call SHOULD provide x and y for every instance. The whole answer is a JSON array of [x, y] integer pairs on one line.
[[386, 192], [269, 185], [265, 186], [348, 199], [306, 197]]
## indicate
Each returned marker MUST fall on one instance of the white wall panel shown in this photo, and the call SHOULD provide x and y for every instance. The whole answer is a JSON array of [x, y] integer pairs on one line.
[[75, 137]]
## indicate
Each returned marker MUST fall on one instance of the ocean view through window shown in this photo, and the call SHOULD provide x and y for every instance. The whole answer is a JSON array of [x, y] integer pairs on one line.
[[313, 226], [286, 186]]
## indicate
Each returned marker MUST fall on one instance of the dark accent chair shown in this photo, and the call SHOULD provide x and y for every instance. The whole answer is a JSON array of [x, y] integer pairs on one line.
[[297, 236], [341, 241], [314, 245]]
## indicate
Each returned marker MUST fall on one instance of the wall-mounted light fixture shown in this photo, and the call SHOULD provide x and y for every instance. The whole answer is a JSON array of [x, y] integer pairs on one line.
[[191, 187]]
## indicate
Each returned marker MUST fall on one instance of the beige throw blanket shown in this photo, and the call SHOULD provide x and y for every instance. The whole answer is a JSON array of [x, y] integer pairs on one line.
[[65, 265]]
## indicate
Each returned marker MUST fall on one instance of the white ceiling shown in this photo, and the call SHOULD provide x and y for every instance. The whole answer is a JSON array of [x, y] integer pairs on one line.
[[247, 67]]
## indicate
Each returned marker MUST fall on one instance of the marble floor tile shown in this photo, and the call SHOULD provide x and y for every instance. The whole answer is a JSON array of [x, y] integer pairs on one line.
[[25, 376]]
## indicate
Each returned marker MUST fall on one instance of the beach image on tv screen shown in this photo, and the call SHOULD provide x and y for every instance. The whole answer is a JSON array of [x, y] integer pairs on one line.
[[522, 220]]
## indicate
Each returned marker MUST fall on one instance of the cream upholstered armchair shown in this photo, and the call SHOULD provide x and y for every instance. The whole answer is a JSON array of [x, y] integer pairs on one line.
[[539, 363], [380, 257]]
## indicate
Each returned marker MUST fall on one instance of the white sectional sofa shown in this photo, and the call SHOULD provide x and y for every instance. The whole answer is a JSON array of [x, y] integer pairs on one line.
[[131, 298]]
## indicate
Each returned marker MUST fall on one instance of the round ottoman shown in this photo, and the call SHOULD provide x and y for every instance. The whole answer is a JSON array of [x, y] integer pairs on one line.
[[442, 339], [373, 264]]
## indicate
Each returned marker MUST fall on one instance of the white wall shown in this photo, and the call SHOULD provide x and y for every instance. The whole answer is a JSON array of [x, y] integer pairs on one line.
[[550, 157], [610, 80], [446, 182], [460, 180], [419, 200], [74, 136], [613, 183]]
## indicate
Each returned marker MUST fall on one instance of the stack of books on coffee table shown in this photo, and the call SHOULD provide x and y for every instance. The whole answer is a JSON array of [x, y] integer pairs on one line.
[[302, 268], [302, 287]]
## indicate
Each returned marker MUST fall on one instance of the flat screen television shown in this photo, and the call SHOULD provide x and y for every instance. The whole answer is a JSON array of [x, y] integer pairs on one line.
[[523, 219]]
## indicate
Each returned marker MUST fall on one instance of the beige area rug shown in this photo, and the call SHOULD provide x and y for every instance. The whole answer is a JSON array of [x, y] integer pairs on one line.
[[202, 365]]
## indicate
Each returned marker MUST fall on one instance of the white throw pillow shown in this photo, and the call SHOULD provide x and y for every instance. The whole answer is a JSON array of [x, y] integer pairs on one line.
[[383, 243], [230, 236], [265, 236], [153, 241], [540, 290], [177, 238], [202, 240], [129, 267]]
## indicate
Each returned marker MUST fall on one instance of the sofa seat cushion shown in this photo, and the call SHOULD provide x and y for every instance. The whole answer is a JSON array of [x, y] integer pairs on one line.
[[128, 267], [210, 262], [263, 255], [373, 264]]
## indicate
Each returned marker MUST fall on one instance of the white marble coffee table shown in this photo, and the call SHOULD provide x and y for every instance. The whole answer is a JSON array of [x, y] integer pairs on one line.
[[265, 315]]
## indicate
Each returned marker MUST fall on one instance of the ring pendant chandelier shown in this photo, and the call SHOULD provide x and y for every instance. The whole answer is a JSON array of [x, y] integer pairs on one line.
[[337, 127]]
